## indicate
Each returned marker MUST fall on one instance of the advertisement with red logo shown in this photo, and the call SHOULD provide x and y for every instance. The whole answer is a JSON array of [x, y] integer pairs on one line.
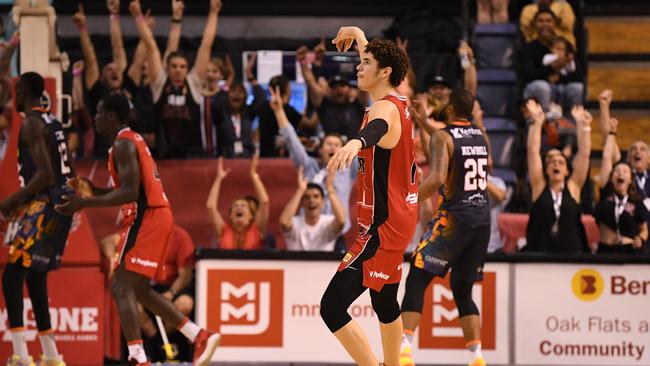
[[76, 311], [587, 315], [269, 311]]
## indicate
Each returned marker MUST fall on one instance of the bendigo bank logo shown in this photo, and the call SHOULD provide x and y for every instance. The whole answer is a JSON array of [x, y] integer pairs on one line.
[[587, 284], [440, 324], [245, 306]]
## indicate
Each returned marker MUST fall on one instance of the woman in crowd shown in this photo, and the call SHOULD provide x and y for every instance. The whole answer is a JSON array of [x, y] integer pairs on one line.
[[620, 211], [246, 222], [554, 225]]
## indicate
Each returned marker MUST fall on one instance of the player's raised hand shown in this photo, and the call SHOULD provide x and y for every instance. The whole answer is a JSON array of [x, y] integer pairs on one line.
[[276, 99], [345, 38], [536, 112], [342, 159], [82, 186], [79, 18], [221, 172]]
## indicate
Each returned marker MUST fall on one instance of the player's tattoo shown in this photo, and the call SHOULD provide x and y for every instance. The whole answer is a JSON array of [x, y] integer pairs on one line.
[[440, 154]]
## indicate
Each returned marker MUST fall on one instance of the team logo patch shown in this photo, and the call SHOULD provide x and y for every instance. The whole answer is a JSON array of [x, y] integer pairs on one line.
[[347, 257]]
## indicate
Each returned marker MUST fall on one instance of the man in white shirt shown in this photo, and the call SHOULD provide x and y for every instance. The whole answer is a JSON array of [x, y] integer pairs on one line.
[[312, 230]]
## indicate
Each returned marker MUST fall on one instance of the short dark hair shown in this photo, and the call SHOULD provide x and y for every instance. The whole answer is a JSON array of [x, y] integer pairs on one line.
[[176, 54], [544, 9], [567, 44], [280, 81], [118, 104], [388, 54], [462, 101], [236, 84], [331, 134], [311, 185], [33, 84]]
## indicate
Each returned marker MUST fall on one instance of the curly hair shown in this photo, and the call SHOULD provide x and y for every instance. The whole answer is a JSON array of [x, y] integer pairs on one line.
[[388, 54]]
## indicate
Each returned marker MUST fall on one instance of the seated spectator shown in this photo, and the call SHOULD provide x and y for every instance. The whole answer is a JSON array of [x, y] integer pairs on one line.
[[177, 93], [340, 108], [312, 230], [554, 224], [620, 212], [551, 82], [270, 143], [234, 123], [492, 11], [563, 13], [246, 222], [315, 169]]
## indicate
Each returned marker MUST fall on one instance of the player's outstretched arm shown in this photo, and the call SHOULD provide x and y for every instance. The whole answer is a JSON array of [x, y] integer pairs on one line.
[[533, 150], [34, 135], [442, 147], [212, 204], [290, 210], [346, 36], [262, 217], [85, 188], [126, 159]]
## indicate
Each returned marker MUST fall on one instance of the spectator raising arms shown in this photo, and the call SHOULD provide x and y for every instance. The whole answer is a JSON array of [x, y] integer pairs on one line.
[[246, 221], [315, 170], [548, 66], [554, 224], [620, 212], [177, 93], [312, 230], [562, 11]]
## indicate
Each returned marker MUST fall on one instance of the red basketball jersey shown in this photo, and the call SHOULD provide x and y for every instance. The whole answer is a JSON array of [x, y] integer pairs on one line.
[[152, 193], [387, 187]]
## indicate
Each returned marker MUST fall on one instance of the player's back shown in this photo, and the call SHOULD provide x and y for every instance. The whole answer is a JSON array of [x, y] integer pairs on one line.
[[464, 194], [152, 193], [58, 150], [387, 186]]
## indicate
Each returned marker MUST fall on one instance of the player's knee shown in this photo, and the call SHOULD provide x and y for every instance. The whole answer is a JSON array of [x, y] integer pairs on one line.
[[462, 291], [387, 310], [184, 304], [333, 313]]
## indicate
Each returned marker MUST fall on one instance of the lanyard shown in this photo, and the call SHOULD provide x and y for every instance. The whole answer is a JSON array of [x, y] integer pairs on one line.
[[619, 208], [557, 202]]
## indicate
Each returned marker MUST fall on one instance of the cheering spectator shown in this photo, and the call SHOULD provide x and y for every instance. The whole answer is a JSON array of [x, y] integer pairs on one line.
[[339, 107], [498, 194], [215, 97], [177, 93], [315, 170], [620, 212], [553, 80], [234, 123], [312, 230], [563, 13], [639, 159], [554, 224], [271, 145], [247, 220]]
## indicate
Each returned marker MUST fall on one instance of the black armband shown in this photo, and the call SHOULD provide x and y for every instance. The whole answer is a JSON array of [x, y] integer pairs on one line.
[[372, 133]]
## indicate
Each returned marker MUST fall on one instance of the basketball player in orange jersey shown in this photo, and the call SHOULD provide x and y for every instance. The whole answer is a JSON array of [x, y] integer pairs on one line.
[[147, 224], [386, 206]]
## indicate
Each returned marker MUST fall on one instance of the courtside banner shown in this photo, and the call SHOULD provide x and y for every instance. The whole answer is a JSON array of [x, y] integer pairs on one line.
[[269, 311], [77, 316], [582, 314]]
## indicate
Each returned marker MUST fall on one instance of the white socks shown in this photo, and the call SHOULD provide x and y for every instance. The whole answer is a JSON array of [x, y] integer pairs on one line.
[[408, 335], [19, 343], [48, 345], [136, 351], [189, 329], [474, 348]]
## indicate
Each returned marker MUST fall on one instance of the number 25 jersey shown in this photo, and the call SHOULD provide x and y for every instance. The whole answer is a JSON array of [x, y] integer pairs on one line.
[[464, 194]]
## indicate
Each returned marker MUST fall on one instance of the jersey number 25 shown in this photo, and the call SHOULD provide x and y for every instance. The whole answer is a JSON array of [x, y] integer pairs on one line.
[[476, 174]]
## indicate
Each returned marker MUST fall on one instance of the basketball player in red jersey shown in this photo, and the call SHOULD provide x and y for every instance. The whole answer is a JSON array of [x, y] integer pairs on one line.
[[386, 206], [148, 223]]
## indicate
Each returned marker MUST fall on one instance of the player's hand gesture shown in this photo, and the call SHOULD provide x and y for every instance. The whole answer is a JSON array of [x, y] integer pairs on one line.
[[71, 205], [302, 181], [276, 99], [113, 6], [221, 172], [536, 112], [79, 18], [178, 7], [82, 186], [345, 38], [342, 159]]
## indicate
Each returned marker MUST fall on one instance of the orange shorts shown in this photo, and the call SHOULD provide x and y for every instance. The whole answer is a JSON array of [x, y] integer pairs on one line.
[[143, 243]]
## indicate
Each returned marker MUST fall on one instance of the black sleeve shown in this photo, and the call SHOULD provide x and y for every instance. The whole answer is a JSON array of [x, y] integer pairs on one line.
[[372, 133], [530, 62]]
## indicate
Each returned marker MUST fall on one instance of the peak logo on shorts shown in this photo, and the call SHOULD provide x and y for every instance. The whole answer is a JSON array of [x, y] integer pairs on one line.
[[587, 284], [440, 323], [245, 306]]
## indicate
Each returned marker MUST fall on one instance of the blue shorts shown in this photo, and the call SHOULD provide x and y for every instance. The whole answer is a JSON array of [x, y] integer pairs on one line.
[[39, 236]]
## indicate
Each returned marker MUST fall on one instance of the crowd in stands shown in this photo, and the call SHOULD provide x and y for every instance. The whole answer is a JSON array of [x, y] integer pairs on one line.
[[200, 109]]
